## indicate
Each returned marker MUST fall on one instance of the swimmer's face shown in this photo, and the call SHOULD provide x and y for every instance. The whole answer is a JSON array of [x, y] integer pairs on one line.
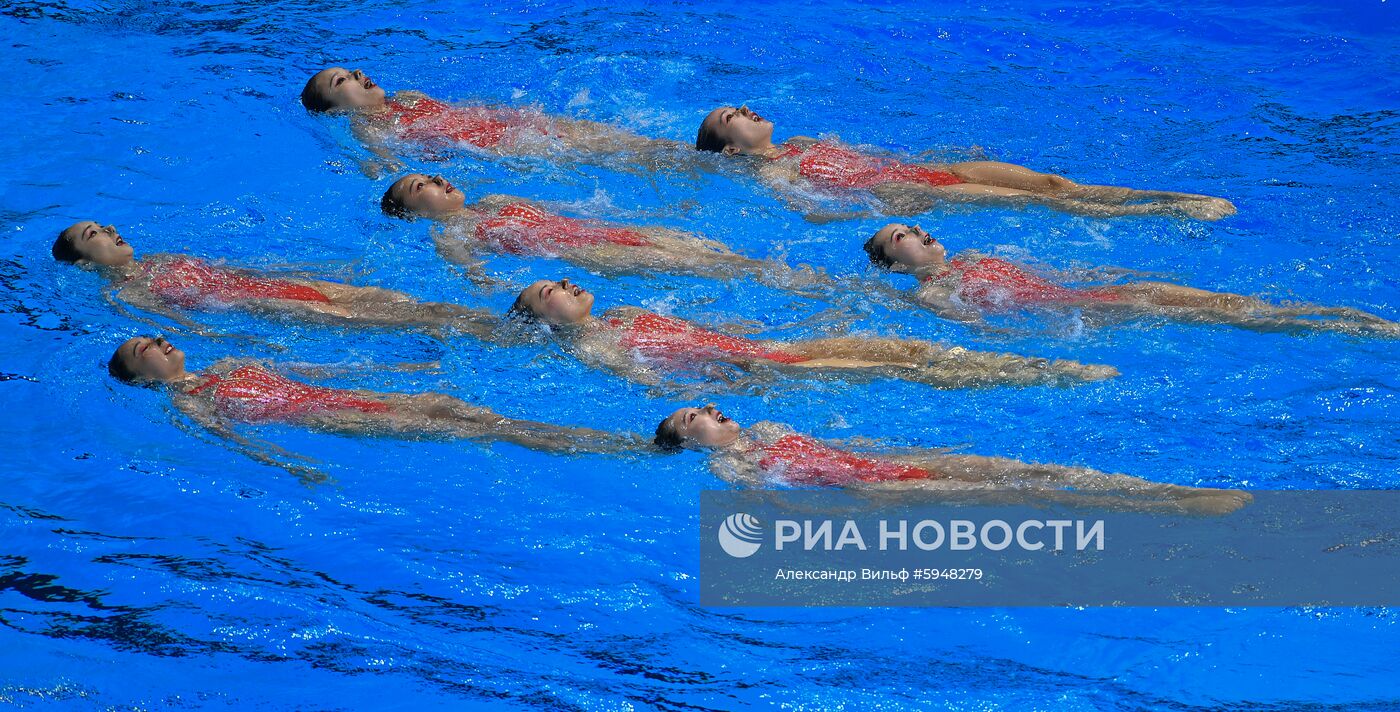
[[428, 196], [704, 427], [561, 302], [98, 244], [741, 130], [910, 246], [151, 359], [343, 89]]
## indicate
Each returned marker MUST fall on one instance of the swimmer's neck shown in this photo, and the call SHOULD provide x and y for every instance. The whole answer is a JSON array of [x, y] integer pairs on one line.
[[573, 331], [123, 272], [743, 442], [933, 270], [770, 151], [186, 381]]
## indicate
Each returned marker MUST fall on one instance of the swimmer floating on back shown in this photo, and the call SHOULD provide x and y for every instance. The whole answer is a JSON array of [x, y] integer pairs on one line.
[[160, 283], [765, 453], [909, 188], [504, 224], [641, 345], [417, 118], [970, 284], [249, 392]]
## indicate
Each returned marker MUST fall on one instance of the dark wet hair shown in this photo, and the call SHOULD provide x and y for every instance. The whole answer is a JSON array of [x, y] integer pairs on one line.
[[876, 253], [520, 312], [667, 439], [393, 206], [64, 250], [707, 139], [312, 99], [119, 370]]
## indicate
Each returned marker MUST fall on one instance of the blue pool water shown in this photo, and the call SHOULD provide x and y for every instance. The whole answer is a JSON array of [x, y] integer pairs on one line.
[[145, 565]]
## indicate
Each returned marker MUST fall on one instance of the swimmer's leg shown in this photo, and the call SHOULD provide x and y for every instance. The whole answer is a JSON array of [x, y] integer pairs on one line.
[[1011, 474], [1008, 175], [900, 352], [960, 368], [915, 199], [950, 367], [1191, 304], [442, 414]]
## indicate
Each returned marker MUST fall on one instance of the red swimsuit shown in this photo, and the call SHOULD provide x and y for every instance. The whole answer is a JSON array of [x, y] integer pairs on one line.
[[806, 461], [430, 120], [522, 229], [843, 168], [665, 338], [255, 394], [992, 282], [190, 283]]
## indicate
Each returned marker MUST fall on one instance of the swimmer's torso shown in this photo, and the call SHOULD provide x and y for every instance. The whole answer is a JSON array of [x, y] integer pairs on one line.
[[518, 227], [425, 120], [774, 452], [991, 283], [193, 283], [657, 338], [832, 166], [253, 393]]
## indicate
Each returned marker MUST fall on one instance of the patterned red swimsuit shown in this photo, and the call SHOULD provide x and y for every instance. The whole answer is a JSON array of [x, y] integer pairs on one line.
[[190, 283], [665, 338], [829, 165], [254, 394], [429, 120], [523, 229], [992, 282], [802, 460]]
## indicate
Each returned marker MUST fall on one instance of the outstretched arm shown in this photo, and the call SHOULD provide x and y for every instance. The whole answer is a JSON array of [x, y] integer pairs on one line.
[[463, 252], [257, 450], [938, 298], [383, 162]]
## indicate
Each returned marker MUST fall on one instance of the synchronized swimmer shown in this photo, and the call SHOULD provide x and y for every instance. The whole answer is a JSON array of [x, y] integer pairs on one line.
[[971, 284], [504, 224], [769, 453], [644, 346], [161, 283], [910, 188], [234, 390], [417, 118]]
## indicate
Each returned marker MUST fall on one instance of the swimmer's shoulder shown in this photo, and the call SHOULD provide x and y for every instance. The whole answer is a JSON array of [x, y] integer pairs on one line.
[[767, 431], [624, 312], [229, 364], [496, 201], [409, 96]]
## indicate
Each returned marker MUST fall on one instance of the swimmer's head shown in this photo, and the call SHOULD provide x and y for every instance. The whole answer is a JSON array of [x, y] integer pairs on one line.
[[903, 248], [87, 242], [145, 359], [555, 303], [417, 195], [703, 427], [732, 131], [338, 88]]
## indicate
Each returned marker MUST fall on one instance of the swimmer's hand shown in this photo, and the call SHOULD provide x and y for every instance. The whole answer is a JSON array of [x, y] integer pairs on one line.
[[822, 217], [376, 168]]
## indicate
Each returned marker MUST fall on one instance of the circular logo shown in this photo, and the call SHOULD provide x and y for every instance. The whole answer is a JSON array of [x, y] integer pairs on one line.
[[740, 535]]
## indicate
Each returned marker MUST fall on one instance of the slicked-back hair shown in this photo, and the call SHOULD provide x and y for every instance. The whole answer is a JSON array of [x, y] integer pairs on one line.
[[876, 252], [64, 251]]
